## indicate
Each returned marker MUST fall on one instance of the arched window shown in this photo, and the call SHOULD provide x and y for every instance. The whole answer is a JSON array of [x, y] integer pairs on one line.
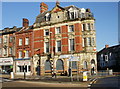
[[85, 65], [47, 17], [92, 61], [59, 65], [74, 65], [47, 65]]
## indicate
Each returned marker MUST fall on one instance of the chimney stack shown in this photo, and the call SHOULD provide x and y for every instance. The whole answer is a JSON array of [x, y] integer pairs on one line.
[[106, 46], [43, 7], [25, 22], [57, 3]]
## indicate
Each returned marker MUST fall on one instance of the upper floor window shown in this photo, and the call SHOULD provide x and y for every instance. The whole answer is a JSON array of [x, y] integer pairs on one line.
[[83, 27], [88, 41], [26, 41], [10, 50], [0, 40], [83, 42], [5, 51], [46, 32], [20, 41], [26, 54], [11, 39], [47, 17], [71, 28], [92, 26], [73, 13], [5, 39], [58, 46], [0, 51], [93, 41], [20, 54], [88, 26], [106, 57], [46, 47], [58, 30], [71, 45]]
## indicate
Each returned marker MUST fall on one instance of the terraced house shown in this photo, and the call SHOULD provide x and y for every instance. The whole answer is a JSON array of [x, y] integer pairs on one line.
[[60, 33]]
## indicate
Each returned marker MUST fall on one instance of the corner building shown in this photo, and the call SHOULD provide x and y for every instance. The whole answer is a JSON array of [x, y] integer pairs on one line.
[[60, 33]]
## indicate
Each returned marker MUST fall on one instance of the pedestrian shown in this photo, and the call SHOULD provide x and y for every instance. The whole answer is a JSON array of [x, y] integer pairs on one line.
[[69, 70]]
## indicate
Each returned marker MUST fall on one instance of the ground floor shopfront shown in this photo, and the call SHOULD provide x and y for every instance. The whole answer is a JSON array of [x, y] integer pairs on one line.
[[6, 64], [60, 64], [22, 66]]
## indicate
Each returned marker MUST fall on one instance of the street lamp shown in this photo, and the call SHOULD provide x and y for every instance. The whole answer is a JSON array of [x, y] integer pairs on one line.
[[24, 67]]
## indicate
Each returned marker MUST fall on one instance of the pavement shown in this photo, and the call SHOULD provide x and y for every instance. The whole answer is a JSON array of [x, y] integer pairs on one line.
[[59, 80]]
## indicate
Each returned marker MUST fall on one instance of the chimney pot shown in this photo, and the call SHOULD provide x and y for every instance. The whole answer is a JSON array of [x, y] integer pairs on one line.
[[25, 22], [106, 46]]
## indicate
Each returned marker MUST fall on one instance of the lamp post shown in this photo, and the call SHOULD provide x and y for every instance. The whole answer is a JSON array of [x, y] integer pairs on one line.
[[24, 67]]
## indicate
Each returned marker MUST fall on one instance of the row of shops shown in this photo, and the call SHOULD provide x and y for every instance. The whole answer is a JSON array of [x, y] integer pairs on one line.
[[44, 66]]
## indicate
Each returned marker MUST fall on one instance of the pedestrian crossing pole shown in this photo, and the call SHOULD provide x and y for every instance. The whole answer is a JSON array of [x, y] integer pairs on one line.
[[52, 72]]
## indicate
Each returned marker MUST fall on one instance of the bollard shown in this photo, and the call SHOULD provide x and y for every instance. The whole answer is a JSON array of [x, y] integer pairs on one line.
[[12, 75], [85, 76]]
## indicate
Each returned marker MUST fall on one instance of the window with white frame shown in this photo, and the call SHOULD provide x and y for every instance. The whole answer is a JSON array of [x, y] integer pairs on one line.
[[106, 57], [92, 26], [47, 17], [10, 50], [0, 51], [46, 47], [5, 51], [5, 39], [83, 42], [11, 38], [93, 41], [46, 32], [58, 30], [26, 54], [0, 40], [88, 41], [73, 13], [26, 41], [71, 28], [58, 49], [84, 27], [20, 54], [20, 41], [71, 45], [88, 26]]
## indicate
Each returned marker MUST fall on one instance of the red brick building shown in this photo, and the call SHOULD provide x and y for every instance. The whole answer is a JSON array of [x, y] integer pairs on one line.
[[24, 47], [63, 32], [7, 49]]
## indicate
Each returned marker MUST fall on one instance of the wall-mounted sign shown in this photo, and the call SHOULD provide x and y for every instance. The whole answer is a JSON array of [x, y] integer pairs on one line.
[[6, 61], [21, 63]]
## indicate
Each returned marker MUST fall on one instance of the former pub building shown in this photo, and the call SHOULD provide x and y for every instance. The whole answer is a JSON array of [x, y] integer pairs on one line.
[[60, 33], [57, 36]]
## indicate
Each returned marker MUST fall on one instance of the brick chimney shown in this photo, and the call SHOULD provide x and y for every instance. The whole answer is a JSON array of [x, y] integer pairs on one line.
[[106, 46], [25, 22], [43, 7]]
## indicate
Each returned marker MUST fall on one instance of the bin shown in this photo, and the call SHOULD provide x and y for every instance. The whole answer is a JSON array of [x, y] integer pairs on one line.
[[12, 75], [85, 76]]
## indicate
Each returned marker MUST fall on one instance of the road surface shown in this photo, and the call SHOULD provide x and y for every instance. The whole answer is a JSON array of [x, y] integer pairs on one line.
[[107, 83]]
